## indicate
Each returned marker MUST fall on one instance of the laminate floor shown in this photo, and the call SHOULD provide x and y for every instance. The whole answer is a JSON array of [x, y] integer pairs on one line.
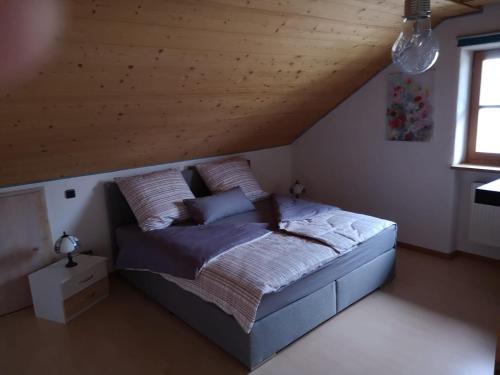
[[437, 317]]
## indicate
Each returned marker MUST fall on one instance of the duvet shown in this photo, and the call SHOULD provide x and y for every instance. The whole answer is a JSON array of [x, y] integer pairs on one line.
[[234, 265]]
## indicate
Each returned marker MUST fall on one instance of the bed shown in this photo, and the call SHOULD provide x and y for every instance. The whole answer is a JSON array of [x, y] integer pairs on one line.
[[283, 316]]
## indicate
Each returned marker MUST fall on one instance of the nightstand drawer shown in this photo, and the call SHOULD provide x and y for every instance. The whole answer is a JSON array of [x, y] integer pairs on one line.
[[85, 298], [84, 279]]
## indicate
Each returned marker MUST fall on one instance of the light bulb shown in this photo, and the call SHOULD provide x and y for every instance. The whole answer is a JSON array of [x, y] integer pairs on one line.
[[416, 49]]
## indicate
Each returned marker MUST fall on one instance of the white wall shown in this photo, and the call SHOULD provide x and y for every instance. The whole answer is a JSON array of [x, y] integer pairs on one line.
[[345, 160], [86, 215]]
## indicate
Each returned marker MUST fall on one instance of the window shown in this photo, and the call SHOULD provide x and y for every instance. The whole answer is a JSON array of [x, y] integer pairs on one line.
[[483, 146]]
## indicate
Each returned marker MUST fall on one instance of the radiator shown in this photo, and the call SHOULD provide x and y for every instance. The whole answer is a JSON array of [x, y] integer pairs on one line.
[[484, 222]]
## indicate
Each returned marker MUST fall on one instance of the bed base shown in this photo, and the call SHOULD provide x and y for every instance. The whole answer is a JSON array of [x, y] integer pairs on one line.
[[275, 331]]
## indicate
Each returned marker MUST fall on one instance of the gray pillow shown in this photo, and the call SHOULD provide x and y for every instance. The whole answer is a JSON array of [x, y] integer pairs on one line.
[[206, 210]]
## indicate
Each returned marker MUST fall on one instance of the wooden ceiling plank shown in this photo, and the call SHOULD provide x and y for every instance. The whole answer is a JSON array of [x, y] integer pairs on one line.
[[121, 89], [222, 18]]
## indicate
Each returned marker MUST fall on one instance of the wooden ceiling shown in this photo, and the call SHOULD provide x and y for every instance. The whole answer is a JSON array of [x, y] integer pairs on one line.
[[139, 82]]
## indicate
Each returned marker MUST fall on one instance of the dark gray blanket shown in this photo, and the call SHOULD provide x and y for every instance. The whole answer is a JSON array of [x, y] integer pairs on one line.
[[292, 209], [181, 250]]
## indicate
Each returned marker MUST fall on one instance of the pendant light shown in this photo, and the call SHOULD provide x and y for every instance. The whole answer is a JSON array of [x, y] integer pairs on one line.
[[416, 49]]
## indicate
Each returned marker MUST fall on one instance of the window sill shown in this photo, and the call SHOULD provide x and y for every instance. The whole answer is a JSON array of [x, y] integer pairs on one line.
[[476, 167]]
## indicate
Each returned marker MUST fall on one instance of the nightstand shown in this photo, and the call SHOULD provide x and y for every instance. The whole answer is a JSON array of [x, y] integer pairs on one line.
[[61, 294]]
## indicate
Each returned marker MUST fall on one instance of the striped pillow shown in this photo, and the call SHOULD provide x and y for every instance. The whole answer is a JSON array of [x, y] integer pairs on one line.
[[156, 198], [230, 173]]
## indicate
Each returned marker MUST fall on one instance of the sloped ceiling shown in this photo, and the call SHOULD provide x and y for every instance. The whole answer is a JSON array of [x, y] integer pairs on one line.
[[137, 82]]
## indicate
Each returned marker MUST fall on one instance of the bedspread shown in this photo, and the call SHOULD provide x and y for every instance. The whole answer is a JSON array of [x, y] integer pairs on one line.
[[236, 280]]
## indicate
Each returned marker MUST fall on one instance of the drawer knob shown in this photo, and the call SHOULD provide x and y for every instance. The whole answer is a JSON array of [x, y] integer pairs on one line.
[[86, 279]]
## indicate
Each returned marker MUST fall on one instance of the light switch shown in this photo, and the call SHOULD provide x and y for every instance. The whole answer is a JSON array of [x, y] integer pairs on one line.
[[70, 193]]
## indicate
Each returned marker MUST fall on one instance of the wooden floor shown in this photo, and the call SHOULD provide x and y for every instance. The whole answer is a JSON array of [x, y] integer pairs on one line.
[[437, 317]]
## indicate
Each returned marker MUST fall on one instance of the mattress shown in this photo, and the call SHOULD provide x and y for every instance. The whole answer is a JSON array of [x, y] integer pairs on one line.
[[363, 253]]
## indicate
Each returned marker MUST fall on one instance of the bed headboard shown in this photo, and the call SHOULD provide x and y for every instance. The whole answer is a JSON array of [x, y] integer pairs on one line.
[[119, 212]]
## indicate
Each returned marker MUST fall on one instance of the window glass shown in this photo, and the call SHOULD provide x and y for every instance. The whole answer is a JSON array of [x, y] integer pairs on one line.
[[488, 131], [490, 82]]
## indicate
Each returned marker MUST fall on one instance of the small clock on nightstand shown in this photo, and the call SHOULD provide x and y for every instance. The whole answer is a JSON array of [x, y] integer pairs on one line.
[[62, 293]]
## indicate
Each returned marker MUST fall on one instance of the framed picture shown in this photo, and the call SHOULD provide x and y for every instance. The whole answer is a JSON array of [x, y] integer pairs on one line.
[[409, 114]]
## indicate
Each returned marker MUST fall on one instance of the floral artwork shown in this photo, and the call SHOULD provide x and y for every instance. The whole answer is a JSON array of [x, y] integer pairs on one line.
[[409, 110]]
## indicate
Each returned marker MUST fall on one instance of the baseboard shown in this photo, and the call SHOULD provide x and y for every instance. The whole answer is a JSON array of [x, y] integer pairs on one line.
[[477, 257], [451, 255], [427, 251]]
